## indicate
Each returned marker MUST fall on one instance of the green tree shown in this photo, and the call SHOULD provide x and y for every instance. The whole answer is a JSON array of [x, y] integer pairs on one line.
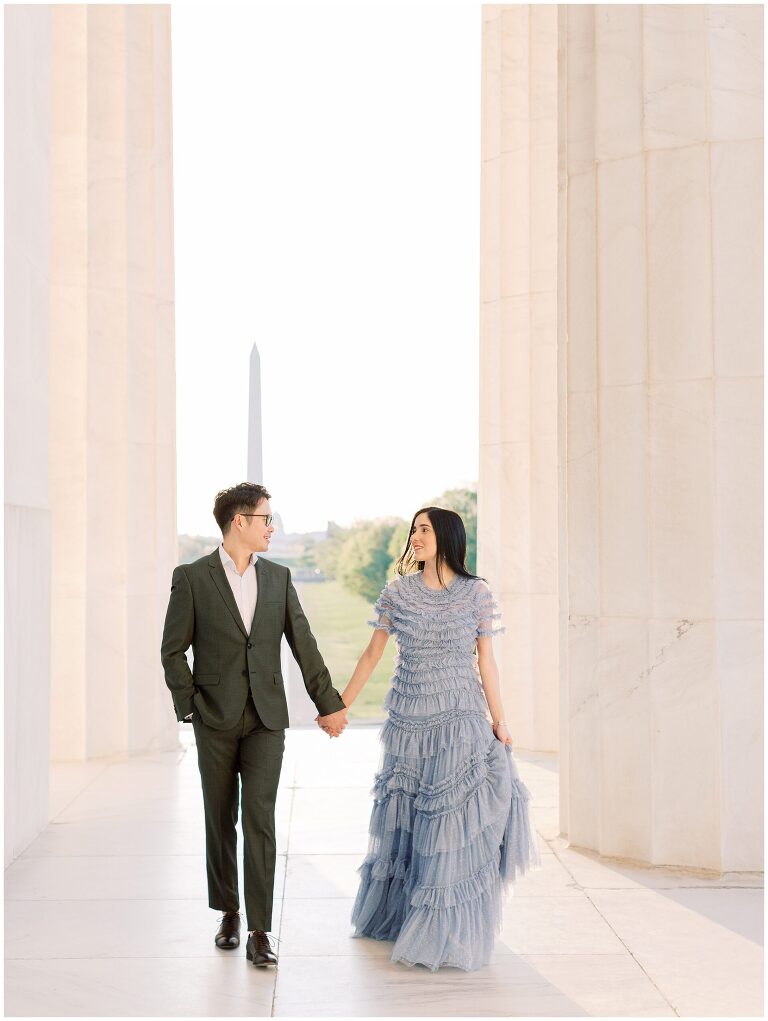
[[365, 559], [326, 553], [308, 560]]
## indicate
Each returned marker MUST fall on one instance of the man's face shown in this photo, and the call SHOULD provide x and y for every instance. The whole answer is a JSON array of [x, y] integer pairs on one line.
[[255, 532]]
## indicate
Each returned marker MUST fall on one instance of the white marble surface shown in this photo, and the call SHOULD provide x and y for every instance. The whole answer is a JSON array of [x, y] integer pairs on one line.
[[138, 987], [735, 50], [106, 913]]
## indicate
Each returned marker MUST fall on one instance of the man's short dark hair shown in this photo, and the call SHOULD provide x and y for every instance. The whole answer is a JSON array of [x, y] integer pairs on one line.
[[240, 499]]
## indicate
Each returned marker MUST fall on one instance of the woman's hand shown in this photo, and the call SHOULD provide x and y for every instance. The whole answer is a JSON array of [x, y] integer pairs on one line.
[[334, 723], [502, 734]]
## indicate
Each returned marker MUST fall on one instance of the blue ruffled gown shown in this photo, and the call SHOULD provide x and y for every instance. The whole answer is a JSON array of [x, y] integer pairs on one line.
[[450, 823]]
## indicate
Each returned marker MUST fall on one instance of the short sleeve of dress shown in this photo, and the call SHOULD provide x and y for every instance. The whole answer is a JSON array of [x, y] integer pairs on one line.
[[488, 612], [383, 610]]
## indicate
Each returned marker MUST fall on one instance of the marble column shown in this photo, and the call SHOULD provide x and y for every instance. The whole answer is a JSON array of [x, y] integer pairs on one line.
[[112, 381], [517, 497], [658, 324], [27, 503]]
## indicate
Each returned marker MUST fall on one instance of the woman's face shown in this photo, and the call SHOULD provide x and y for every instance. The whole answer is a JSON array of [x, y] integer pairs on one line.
[[423, 541]]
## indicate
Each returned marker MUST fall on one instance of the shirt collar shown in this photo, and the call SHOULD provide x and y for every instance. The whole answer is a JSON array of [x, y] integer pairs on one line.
[[227, 560]]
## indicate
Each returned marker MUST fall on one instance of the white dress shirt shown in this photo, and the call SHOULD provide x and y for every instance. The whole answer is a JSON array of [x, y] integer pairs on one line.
[[243, 586]]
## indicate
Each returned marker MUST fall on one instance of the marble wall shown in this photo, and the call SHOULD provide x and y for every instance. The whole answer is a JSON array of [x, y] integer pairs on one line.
[[659, 420], [90, 391], [27, 503]]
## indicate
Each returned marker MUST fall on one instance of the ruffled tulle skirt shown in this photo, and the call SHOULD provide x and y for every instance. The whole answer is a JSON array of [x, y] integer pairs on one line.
[[449, 831]]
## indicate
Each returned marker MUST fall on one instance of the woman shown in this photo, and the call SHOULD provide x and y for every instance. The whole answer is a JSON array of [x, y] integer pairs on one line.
[[450, 822]]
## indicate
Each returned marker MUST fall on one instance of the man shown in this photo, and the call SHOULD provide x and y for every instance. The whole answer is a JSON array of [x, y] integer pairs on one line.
[[233, 607]]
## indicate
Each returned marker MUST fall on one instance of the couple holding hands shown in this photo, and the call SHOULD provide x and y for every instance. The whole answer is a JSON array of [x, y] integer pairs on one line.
[[449, 826]]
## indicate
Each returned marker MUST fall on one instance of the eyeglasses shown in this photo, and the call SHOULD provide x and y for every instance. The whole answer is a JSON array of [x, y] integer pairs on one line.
[[267, 517]]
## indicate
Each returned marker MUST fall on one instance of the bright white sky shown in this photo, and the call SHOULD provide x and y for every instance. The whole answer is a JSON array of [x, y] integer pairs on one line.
[[327, 187]]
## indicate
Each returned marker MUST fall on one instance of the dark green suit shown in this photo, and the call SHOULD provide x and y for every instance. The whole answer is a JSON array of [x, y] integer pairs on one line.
[[235, 690]]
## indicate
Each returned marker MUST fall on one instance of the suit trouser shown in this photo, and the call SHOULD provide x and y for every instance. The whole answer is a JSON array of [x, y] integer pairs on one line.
[[256, 754]]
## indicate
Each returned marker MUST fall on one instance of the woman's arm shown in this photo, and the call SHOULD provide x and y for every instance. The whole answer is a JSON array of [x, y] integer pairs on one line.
[[365, 666], [489, 675]]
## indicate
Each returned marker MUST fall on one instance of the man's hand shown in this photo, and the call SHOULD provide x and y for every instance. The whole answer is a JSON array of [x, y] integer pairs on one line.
[[334, 723]]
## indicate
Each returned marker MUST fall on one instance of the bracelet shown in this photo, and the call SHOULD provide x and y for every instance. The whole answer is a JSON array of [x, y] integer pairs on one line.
[[498, 723]]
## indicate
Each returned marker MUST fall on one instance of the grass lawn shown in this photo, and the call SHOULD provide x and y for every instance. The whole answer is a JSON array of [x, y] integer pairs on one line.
[[338, 621]]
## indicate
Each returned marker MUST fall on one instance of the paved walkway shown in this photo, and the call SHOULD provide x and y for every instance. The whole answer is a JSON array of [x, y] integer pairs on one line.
[[106, 911]]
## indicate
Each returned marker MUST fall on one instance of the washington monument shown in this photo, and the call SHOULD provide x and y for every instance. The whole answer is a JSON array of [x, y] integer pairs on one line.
[[255, 459]]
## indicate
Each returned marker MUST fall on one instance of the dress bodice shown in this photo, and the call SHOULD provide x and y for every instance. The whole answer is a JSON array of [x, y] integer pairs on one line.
[[428, 621]]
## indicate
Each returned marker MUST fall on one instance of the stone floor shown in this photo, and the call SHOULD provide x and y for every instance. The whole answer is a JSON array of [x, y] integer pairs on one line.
[[106, 911]]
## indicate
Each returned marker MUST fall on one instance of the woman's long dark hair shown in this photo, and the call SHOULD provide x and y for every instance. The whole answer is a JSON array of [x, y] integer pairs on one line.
[[451, 538]]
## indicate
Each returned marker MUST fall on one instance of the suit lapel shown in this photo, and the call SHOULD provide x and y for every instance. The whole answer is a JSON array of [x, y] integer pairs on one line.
[[220, 580], [261, 582]]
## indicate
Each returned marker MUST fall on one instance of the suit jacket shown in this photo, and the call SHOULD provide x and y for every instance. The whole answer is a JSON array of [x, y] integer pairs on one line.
[[202, 612]]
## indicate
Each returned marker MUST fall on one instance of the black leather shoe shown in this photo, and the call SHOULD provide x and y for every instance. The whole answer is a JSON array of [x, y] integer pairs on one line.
[[258, 949], [228, 936]]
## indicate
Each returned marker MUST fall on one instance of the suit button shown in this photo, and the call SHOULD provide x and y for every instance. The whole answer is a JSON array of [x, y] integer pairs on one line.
[[250, 645]]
